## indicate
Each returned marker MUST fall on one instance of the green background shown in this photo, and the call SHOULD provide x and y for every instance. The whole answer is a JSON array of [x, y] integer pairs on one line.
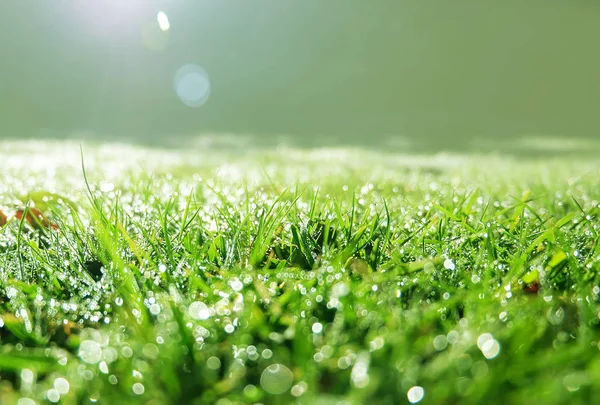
[[436, 74]]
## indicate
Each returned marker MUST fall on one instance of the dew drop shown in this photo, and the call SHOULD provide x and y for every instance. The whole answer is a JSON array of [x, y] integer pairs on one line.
[[138, 388], [90, 351], [415, 394], [199, 311], [276, 379]]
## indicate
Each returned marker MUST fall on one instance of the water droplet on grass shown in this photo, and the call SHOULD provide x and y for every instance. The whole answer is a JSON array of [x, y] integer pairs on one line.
[[199, 311], [452, 337], [440, 342], [488, 345], [236, 285], [415, 394], [556, 317], [276, 379], [138, 388], [27, 376], [62, 385], [213, 363], [53, 395], [90, 351]]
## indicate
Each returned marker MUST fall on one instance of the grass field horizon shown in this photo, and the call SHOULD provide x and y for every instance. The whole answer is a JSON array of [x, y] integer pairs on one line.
[[324, 276]]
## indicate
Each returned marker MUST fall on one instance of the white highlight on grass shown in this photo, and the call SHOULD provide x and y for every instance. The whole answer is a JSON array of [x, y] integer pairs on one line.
[[415, 394], [449, 264], [199, 311], [53, 395], [317, 327], [440, 342], [62, 385], [27, 376], [236, 285], [90, 351], [163, 21], [488, 345], [299, 389], [360, 372], [138, 389]]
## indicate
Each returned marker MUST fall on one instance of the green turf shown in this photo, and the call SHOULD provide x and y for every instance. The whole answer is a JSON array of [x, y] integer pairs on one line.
[[323, 277]]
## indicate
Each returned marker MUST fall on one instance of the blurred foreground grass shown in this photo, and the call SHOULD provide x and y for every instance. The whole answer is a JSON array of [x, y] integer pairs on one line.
[[321, 277]]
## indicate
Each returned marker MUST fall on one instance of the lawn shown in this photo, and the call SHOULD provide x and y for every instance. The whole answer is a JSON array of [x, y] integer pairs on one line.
[[286, 276]]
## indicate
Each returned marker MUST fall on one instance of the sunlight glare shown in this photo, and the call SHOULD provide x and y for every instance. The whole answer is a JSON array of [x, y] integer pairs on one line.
[[163, 21]]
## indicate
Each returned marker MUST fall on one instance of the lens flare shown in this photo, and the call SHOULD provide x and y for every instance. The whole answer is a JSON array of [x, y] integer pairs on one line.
[[163, 21], [192, 85]]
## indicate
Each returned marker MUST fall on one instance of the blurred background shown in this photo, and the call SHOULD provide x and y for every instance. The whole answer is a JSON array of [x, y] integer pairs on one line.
[[419, 75]]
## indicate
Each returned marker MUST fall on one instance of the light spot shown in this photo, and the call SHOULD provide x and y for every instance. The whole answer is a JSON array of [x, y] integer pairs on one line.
[[299, 389], [449, 264], [154, 309], [440, 342], [138, 388], [163, 21], [53, 395], [415, 394], [340, 289], [317, 327], [90, 351], [62, 385], [27, 376], [375, 344], [150, 351], [491, 349], [488, 345], [276, 379], [484, 337], [236, 285], [213, 363], [110, 354], [26, 401], [556, 317], [479, 369], [11, 292], [250, 391], [575, 380], [360, 372], [199, 311], [452, 337], [192, 85]]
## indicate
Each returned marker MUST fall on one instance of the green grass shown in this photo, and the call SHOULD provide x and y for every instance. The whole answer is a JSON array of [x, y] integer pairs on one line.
[[326, 277]]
